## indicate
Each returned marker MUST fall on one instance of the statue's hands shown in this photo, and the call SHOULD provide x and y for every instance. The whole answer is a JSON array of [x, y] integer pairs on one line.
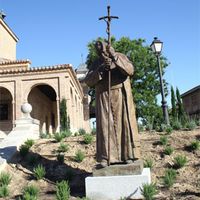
[[108, 63], [111, 52]]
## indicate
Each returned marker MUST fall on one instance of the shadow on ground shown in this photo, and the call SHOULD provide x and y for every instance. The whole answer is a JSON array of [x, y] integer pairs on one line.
[[55, 172]]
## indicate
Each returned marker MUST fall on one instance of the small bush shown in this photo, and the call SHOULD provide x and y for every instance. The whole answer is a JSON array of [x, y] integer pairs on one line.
[[197, 122], [180, 161], [29, 143], [169, 130], [62, 190], [23, 150], [168, 150], [69, 174], [82, 131], [4, 192], [149, 191], [195, 145], [87, 138], [32, 160], [190, 125], [63, 147], [79, 156], [30, 193], [39, 172], [76, 134], [148, 163], [93, 132], [44, 135], [163, 127], [149, 127], [60, 158], [176, 125], [163, 140], [5, 179], [58, 137], [67, 133], [169, 178]]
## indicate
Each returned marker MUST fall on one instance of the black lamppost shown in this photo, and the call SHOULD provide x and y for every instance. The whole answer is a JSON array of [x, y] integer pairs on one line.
[[156, 46]]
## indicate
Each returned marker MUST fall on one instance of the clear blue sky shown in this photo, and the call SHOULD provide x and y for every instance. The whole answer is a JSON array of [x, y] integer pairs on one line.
[[57, 32]]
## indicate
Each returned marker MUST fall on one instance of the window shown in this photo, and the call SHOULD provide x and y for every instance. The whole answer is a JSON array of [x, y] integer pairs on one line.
[[3, 111]]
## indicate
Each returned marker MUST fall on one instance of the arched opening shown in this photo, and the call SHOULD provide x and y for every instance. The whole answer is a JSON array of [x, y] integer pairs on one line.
[[43, 101], [6, 110]]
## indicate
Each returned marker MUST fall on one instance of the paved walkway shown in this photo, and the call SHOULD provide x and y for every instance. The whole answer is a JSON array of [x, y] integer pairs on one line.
[[10, 144]]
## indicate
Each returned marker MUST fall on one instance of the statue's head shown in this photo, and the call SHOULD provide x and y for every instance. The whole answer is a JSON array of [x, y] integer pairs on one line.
[[101, 48]]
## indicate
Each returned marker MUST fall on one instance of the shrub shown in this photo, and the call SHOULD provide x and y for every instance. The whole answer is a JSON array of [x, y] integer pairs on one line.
[[163, 127], [163, 140], [4, 192], [190, 125], [82, 131], [29, 143], [62, 190], [197, 122], [39, 172], [195, 145], [32, 160], [169, 130], [180, 161], [93, 132], [149, 191], [168, 150], [79, 156], [30, 193], [60, 158], [176, 125], [69, 174], [23, 150], [58, 137], [169, 178], [5, 179], [44, 135], [148, 163], [76, 134], [63, 147], [87, 138], [66, 133]]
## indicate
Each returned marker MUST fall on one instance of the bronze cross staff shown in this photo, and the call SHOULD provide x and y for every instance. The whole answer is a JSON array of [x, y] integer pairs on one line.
[[108, 19]]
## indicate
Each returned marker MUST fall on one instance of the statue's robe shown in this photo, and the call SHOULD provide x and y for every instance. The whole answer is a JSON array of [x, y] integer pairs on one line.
[[124, 139]]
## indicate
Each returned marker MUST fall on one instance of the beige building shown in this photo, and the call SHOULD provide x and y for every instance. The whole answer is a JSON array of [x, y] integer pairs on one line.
[[191, 102], [42, 87]]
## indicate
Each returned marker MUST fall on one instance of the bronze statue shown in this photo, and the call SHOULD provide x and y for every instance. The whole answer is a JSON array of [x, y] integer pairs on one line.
[[122, 143]]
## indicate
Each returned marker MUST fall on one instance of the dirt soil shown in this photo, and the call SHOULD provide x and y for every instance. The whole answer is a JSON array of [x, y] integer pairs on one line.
[[186, 187]]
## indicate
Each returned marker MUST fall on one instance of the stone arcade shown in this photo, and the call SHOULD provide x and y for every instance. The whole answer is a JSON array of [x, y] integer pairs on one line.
[[42, 87]]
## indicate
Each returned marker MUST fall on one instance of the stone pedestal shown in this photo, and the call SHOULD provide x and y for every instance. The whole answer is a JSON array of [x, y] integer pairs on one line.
[[116, 187], [134, 168]]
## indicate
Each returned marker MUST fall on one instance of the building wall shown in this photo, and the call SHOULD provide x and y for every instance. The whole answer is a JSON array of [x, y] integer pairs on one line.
[[191, 103], [7, 41], [42, 109]]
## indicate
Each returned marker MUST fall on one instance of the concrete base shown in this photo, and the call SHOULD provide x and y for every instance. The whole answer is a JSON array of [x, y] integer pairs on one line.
[[116, 187], [134, 168], [25, 129]]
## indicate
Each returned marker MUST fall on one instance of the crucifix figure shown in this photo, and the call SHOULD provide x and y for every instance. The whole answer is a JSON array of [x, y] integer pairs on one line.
[[117, 133]]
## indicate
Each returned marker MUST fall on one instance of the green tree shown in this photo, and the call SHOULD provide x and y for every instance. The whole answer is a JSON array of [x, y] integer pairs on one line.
[[64, 119], [173, 103], [145, 81], [181, 113]]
